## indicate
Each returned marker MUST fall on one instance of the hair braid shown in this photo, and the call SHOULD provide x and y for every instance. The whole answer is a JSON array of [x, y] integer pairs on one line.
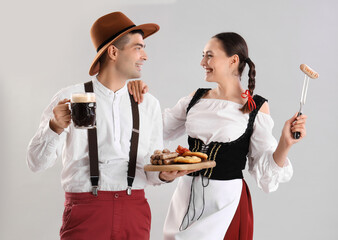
[[251, 82], [232, 44]]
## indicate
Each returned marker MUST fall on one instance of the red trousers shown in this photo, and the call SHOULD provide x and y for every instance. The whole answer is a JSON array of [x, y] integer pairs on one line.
[[109, 216], [241, 226]]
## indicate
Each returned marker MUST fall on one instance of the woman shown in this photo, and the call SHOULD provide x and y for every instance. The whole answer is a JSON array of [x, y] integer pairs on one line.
[[232, 127]]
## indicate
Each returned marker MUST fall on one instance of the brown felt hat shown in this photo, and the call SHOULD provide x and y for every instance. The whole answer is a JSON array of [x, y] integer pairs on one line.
[[111, 27]]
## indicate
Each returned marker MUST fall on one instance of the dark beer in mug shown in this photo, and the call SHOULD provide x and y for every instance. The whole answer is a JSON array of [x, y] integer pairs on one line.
[[83, 107]]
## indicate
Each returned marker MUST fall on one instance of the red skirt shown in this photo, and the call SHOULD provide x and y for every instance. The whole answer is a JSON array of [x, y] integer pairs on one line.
[[241, 226]]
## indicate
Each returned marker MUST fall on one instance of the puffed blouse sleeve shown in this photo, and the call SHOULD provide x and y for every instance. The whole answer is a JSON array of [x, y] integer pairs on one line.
[[262, 166], [174, 120]]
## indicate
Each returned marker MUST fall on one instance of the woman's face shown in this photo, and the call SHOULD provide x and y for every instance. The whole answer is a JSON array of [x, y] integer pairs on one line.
[[216, 63]]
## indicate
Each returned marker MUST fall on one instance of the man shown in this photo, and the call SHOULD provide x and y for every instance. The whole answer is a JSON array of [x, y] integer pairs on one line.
[[111, 212]]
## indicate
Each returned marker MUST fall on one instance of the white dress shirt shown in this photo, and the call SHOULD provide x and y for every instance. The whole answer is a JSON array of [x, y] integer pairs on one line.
[[114, 128], [218, 120]]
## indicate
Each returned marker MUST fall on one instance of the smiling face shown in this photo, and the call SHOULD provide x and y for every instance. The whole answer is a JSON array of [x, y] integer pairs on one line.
[[131, 57], [216, 63]]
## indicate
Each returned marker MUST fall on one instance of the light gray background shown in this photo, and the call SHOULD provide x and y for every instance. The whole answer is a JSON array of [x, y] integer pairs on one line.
[[45, 46]]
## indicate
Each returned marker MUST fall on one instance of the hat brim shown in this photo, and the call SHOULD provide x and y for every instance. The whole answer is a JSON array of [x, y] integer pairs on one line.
[[148, 29]]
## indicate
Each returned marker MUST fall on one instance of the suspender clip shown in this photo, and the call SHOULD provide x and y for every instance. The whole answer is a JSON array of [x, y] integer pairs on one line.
[[128, 190], [136, 130], [94, 191]]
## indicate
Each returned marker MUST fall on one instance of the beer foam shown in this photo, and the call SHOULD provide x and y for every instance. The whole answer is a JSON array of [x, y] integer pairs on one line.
[[83, 97]]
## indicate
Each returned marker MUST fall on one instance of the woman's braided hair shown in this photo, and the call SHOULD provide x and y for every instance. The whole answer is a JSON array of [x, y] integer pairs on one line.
[[233, 44]]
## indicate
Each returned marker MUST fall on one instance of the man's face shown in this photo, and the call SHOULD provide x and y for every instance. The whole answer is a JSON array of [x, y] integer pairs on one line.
[[131, 57]]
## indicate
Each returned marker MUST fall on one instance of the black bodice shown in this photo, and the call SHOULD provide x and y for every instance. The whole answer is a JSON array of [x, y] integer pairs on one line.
[[231, 156]]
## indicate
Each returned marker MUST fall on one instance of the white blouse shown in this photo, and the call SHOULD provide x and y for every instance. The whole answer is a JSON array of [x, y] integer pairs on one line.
[[219, 120]]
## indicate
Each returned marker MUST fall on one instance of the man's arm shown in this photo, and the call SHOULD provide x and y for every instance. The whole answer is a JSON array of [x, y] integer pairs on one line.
[[42, 149]]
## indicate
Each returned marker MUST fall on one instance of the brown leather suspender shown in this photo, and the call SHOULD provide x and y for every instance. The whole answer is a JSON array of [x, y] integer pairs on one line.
[[93, 150], [133, 144]]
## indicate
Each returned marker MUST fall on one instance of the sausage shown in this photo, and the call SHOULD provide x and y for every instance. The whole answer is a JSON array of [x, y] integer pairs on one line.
[[169, 155], [308, 71]]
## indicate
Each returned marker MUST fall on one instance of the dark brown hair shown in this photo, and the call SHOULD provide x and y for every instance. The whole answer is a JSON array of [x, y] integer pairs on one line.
[[232, 44], [120, 43], [125, 39]]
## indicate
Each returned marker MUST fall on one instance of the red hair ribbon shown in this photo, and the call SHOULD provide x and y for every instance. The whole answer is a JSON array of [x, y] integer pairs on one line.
[[251, 102]]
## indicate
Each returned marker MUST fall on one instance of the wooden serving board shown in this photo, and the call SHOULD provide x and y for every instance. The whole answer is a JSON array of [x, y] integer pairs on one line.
[[179, 167]]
